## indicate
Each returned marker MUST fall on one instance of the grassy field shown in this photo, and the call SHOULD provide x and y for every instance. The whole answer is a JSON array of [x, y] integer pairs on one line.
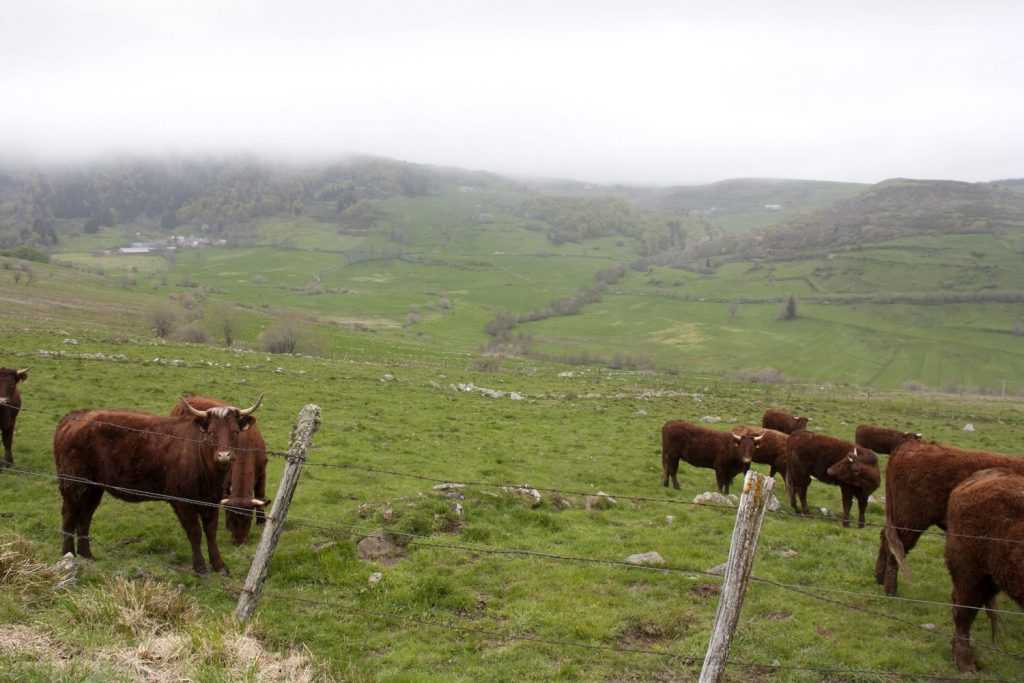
[[502, 591]]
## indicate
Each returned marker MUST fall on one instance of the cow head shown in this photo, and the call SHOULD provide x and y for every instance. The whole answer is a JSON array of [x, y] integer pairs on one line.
[[746, 442], [10, 378], [222, 425], [860, 466], [238, 517], [801, 423]]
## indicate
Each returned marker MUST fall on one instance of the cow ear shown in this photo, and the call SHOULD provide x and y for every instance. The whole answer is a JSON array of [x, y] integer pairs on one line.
[[246, 422], [202, 422], [22, 376]]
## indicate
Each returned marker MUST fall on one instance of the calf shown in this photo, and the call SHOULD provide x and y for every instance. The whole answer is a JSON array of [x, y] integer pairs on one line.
[[984, 551], [727, 454], [10, 406], [918, 481], [882, 440], [782, 421], [813, 455], [771, 448]]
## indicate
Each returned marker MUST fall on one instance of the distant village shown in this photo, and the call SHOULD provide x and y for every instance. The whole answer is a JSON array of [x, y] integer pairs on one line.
[[170, 244]]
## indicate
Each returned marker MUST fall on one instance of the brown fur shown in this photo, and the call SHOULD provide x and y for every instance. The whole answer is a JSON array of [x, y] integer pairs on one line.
[[810, 454], [979, 566], [235, 521], [881, 439], [723, 452], [782, 421], [771, 449], [137, 456], [10, 406], [918, 480]]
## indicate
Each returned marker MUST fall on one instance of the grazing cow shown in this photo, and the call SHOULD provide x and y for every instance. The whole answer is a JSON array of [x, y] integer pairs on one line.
[[138, 456], [918, 480], [814, 455], [984, 551], [235, 520], [10, 406], [782, 421], [771, 448], [728, 454], [882, 440]]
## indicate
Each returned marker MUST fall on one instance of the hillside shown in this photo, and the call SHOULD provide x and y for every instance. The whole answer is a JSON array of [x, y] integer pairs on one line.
[[476, 264], [900, 208]]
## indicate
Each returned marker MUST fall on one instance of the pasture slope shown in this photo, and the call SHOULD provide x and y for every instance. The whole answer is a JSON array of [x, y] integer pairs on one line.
[[502, 591]]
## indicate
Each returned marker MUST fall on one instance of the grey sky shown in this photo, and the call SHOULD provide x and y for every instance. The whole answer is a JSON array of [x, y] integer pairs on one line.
[[636, 92]]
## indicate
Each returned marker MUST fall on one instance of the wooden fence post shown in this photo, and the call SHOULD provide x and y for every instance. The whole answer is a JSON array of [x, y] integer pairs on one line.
[[302, 434], [757, 491]]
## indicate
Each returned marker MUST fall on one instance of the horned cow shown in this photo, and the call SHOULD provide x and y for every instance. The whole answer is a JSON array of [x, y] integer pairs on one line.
[[984, 551], [771, 448], [237, 514], [782, 421], [822, 457], [138, 456], [918, 481], [726, 453], [882, 439], [10, 406]]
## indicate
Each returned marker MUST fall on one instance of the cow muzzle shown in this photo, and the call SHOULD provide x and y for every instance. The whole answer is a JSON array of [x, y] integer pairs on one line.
[[223, 457]]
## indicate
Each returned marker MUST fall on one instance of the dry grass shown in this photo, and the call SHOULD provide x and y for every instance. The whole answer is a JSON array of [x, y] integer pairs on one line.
[[135, 608], [23, 575]]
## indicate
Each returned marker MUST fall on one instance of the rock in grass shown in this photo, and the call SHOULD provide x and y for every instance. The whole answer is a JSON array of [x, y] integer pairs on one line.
[[379, 548], [712, 498], [650, 559]]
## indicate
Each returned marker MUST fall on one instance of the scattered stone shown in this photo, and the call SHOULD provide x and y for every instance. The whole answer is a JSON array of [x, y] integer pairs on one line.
[[73, 342], [433, 385], [567, 373], [718, 570], [319, 547], [969, 427], [375, 578], [388, 378], [823, 511], [928, 627], [773, 504], [877, 499], [525, 491], [649, 559], [641, 413], [560, 502], [712, 498], [711, 418], [599, 501], [379, 548], [387, 514], [670, 519], [68, 566], [788, 553], [516, 396], [456, 508]]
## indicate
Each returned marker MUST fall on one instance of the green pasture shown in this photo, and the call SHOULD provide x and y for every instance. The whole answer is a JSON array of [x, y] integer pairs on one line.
[[464, 603]]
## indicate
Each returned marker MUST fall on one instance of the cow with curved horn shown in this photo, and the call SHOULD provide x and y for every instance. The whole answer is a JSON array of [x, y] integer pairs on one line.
[[10, 406], [728, 454], [136, 456], [831, 461], [238, 513]]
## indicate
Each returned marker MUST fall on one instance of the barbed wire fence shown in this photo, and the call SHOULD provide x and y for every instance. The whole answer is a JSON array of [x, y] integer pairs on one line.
[[808, 591]]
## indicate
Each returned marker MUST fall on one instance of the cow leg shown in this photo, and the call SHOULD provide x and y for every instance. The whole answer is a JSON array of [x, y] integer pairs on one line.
[[189, 519], [969, 596], [260, 489], [862, 504], [76, 518], [847, 504], [664, 468], [803, 500], [8, 439], [672, 468], [883, 558], [209, 518]]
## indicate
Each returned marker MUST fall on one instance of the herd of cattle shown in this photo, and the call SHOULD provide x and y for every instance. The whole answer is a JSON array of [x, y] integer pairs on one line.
[[976, 497], [207, 454]]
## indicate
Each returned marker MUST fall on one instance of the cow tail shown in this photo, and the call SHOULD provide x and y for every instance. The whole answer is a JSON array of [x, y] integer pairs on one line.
[[892, 538]]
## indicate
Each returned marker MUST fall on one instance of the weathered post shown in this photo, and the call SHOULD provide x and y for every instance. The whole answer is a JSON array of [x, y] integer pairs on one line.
[[302, 434], [757, 491]]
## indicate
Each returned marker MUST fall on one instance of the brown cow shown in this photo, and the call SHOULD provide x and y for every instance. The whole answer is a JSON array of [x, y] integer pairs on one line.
[[728, 454], [782, 421], [881, 439], [237, 513], [771, 449], [980, 565], [918, 480], [138, 456], [813, 455], [10, 406]]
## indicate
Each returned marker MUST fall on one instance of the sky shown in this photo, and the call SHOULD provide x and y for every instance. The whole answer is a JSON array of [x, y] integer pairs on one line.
[[656, 92]]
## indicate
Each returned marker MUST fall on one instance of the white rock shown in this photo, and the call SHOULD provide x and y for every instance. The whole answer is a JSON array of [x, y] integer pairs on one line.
[[650, 559], [375, 578], [969, 427]]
